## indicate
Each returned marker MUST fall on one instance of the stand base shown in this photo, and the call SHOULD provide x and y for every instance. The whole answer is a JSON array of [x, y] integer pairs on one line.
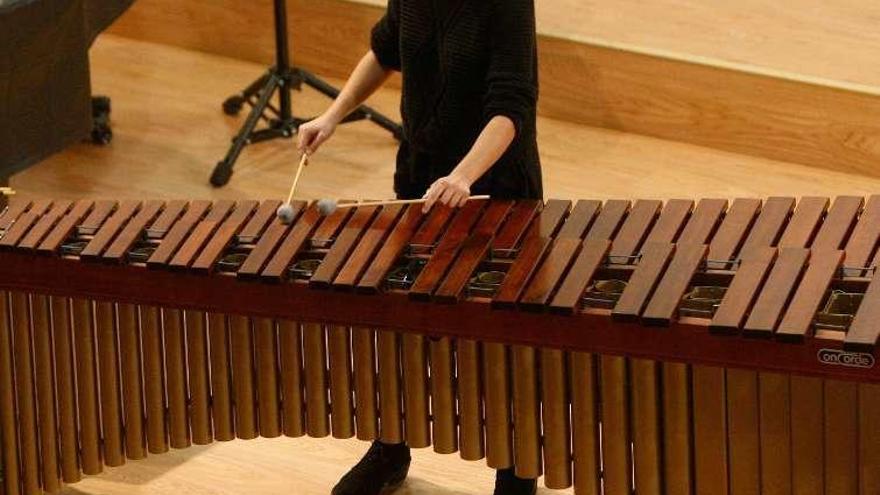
[[279, 121], [101, 134]]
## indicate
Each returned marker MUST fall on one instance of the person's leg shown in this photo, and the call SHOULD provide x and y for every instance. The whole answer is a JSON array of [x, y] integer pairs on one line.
[[506, 483], [384, 465]]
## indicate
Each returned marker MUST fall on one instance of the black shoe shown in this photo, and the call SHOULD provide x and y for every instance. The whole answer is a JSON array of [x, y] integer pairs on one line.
[[506, 483], [383, 466]]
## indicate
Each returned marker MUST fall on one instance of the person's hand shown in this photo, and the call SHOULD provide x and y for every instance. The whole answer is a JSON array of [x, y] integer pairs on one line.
[[314, 133], [452, 190]]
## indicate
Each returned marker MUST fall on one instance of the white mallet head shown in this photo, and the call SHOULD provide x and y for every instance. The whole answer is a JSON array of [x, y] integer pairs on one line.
[[285, 213], [326, 207]]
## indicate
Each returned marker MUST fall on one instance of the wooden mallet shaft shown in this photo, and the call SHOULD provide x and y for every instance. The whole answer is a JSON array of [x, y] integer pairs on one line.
[[299, 169], [398, 202]]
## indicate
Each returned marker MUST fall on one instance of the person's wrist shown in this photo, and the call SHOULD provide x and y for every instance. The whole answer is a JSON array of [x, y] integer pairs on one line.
[[332, 117], [463, 178]]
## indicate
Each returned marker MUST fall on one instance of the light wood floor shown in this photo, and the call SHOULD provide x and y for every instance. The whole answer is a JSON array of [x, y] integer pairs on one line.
[[170, 131]]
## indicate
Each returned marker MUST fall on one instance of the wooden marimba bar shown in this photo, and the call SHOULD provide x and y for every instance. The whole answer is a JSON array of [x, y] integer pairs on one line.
[[619, 347]]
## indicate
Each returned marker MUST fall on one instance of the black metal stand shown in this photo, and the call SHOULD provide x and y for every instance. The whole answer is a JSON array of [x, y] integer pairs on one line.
[[280, 120]]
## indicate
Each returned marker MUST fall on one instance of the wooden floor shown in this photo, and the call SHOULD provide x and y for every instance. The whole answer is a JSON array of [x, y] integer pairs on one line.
[[170, 131]]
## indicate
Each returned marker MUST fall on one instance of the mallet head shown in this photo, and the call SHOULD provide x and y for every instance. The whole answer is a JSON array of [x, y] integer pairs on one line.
[[326, 207], [285, 213]]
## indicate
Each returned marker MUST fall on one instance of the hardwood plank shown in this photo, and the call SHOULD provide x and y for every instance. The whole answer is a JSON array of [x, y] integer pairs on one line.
[[863, 241], [634, 230], [737, 222], [672, 219], [446, 251], [296, 238], [864, 331], [703, 221], [838, 223], [564, 249], [100, 213], [342, 247], [20, 228], [580, 219], [108, 231], [493, 217], [804, 222], [667, 297], [178, 233], [550, 219], [798, 319], [170, 214], [473, 251], [371, 242], [610, 218], [745, 287], [432, 227], [514, 230], [62, 231], [11, 213], [769, 225], [780, 284], [520, 272], [546, 279], [591, 257], [270, 239], [223, 237], [132, 232], [391, 250], [637, 293], [44, 225], [330, 226], [201, 234], [258, 223]]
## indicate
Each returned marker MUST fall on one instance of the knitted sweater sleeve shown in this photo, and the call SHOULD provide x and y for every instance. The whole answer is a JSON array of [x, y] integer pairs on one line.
[[385, 37], [512, 75]]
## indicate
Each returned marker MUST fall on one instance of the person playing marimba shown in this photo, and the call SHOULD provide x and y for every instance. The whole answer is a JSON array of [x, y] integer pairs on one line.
[[470, 89]]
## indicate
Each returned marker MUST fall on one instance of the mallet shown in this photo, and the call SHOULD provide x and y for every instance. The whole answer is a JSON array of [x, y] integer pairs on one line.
[[328, 206], [285, 212]]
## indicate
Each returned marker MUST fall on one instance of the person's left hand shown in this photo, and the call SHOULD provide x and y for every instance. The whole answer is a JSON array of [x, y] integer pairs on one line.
[[452, 190]]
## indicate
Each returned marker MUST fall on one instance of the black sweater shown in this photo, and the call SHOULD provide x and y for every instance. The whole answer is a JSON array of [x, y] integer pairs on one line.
[[463, 62]]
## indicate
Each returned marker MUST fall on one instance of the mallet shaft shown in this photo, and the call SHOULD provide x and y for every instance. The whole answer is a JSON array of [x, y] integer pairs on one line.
[[397, 202], [299, 169]]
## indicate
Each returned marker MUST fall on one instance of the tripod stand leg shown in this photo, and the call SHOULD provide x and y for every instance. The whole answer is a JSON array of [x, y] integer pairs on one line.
[[234, 104], [223, 170]]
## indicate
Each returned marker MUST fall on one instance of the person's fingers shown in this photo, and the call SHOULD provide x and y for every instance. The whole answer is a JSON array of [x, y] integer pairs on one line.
[[431, 197], [302, 140], [462, 200], [447, 196], [317, 141]]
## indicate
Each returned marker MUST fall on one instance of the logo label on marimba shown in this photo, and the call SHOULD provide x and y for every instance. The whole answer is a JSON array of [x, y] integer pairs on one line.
[[849, 359]]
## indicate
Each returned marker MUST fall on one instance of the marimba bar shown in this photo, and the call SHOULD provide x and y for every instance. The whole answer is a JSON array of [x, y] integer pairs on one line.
[[716, 347]]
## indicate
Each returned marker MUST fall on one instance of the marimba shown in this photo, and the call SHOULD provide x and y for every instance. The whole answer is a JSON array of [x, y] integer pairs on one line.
[[684, 348]]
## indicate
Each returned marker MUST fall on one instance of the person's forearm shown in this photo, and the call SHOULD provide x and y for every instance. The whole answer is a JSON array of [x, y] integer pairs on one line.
[[366, 78], [488, 149]]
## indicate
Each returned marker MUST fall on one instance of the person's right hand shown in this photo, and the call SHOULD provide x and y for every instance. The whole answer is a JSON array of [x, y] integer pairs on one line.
[[312, 134]]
